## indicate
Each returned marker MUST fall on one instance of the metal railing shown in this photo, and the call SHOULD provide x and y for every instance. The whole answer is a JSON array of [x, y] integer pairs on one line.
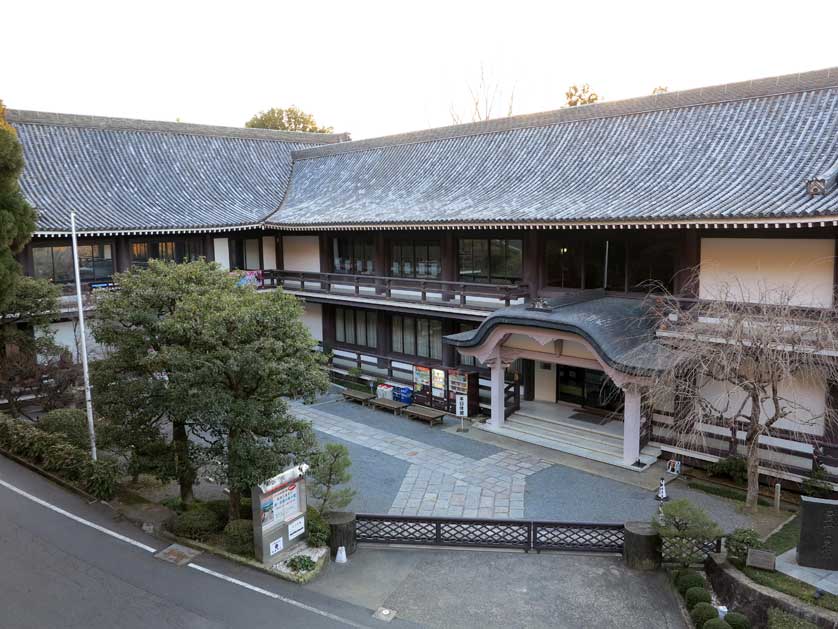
[[406, 289], [487, 533]]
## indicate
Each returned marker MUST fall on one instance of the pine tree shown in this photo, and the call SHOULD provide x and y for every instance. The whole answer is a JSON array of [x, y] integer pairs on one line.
[[330, 468]]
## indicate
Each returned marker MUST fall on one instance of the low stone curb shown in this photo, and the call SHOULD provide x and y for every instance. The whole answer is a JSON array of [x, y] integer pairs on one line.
[[244, 561]]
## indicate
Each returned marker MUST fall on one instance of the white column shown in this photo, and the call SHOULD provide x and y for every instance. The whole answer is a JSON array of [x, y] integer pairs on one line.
[[631, 425], [498, 407]]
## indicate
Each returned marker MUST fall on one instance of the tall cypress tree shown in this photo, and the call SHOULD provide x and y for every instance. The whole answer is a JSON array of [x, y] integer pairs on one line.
[[17, 217]]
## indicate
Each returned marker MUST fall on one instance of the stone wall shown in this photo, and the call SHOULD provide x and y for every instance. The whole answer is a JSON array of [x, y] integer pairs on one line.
[[739, 593]]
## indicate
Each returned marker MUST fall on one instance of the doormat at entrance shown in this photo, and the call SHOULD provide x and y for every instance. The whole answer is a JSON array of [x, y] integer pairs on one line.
[[599, 420]]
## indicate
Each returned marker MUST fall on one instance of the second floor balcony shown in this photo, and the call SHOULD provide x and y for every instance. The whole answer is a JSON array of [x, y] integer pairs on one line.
[[445, 294]]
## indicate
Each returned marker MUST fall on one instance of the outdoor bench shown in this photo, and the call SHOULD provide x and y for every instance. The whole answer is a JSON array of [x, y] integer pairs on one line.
[[432, 415], [357, 396], [390, 405]]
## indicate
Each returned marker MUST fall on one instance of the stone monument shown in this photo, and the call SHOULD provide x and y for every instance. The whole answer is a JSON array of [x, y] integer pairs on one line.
[[818, 544]]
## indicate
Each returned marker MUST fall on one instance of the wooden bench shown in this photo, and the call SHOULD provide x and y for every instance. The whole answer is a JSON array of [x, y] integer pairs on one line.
[[390, 405], [432, 415], [357, 396]]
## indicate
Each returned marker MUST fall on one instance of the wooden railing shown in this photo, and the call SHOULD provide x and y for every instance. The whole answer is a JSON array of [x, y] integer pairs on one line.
[[399, 288]]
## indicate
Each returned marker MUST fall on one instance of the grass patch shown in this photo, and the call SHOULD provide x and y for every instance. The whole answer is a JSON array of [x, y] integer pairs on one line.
[[788, 585], [726, 492], [786, 538]]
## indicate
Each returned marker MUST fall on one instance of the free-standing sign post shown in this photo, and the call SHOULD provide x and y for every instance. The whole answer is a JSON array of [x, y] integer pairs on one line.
[[279, 506]]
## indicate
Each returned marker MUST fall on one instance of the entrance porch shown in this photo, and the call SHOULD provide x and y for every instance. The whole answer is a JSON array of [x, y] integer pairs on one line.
[[593, 356], [573, 430]]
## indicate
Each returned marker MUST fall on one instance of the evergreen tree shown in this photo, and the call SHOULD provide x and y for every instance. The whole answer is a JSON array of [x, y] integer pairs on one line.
[[17, 218]]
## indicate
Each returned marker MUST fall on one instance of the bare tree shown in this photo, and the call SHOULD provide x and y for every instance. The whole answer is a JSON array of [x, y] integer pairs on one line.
[[660, 89], [576, 95], [747, 360], [483, 99]]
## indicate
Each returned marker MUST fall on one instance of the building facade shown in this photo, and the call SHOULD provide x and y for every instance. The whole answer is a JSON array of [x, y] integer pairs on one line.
[[430, 249]]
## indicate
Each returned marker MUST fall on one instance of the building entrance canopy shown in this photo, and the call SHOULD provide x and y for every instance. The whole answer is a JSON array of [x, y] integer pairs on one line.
[[586, 330]]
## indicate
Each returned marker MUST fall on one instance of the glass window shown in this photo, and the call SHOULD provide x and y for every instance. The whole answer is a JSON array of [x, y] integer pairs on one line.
[[564, 263], [357, 327], [652, 264], [353, 256], [56, 263], [176, 250], [416, 259], [496, 260], [417, 337]]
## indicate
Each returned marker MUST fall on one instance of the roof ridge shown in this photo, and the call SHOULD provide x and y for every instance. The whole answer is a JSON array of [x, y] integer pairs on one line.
[[726, 92], [23, 116]]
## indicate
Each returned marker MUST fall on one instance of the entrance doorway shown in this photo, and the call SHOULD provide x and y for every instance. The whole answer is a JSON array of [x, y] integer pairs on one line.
[[588, 388]]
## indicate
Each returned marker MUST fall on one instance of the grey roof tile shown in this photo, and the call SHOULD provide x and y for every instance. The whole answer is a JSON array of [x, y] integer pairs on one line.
[[737, 151], [120, 174]]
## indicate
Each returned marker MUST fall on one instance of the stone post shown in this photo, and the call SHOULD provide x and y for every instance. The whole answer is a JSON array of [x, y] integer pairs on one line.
[[642, 546]]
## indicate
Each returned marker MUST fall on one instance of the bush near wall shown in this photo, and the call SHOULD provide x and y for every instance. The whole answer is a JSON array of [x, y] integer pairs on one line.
[[54, 453]]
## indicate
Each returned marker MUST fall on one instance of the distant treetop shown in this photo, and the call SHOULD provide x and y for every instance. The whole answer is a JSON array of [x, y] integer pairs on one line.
[[576, 95], [288, 119]]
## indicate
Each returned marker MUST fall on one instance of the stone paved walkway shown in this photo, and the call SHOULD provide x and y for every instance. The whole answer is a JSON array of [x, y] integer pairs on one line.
[[440, 482]]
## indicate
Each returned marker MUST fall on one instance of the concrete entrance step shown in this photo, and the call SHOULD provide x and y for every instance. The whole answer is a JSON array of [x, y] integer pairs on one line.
[[558, 432], [558, 426], [610, 447], [546, 418]]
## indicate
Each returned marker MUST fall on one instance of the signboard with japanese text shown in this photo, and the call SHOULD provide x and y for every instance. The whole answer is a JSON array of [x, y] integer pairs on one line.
[[278, 507]]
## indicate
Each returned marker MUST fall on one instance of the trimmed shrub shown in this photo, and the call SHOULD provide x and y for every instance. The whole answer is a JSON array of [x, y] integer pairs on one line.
[[738, 543], [64, 459], [733, 467], [101, 478], [197, 523], [690, 580], [238, 537], [778, 619], [682, 526], [737, 620], [70, 422], [318, 528], [221, 508], [715, 623], [703, 612], [680, 572], [696, 595]]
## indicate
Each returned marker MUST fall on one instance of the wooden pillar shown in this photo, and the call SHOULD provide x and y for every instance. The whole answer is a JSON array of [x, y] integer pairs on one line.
[[122, 261], [449, 352], [328, 326], [688, 261], [498, 416], [209, 247], [631, 425], [384, 337], [528, 379], [448, 253], [380, 260]]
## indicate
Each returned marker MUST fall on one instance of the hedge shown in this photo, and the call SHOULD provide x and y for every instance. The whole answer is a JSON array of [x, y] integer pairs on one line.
[[197, 523], [55, 454], [238, 537], [70, 422]]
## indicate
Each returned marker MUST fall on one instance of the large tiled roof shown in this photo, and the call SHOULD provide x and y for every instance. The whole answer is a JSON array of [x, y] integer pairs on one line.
[[737, 151], [120, 174], [620, 329]]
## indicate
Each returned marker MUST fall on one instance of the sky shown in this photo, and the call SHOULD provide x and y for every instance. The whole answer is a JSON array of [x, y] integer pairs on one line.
[[376, 68]]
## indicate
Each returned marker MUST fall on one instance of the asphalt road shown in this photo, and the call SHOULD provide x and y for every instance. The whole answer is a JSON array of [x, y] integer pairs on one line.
[[58, 572]]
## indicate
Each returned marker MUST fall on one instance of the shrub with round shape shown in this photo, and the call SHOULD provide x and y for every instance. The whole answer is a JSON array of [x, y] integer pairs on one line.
[[70, 422], [715, 623], [737, 620], [703, 612], [696, 595], [197, 523], [740, 541], [238, 537], [692, 580], [101, 477]]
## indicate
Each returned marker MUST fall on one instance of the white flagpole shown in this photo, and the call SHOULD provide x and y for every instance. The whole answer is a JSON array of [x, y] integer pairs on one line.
[[88, 400]]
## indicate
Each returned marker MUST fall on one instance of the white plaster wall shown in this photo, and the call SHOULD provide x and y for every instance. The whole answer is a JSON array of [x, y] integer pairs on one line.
[[750, 266], [545, 382], [301, 253], [808, 403], [576, 350], [313, 319], [221, 249], [269, 252], [66, 334]]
